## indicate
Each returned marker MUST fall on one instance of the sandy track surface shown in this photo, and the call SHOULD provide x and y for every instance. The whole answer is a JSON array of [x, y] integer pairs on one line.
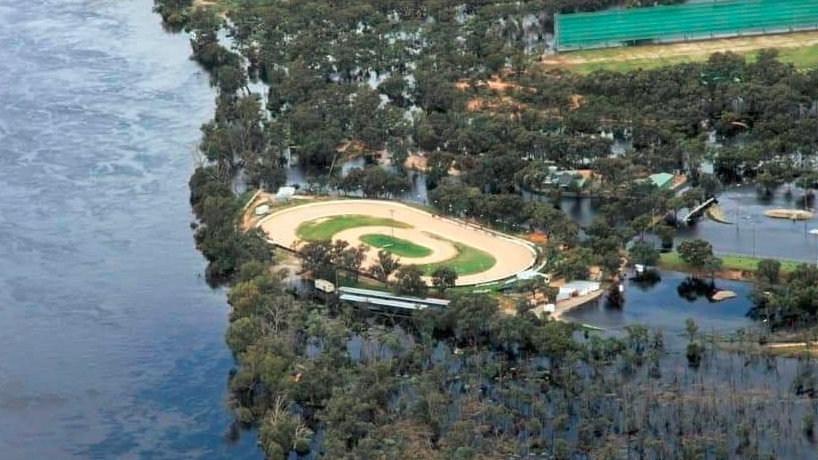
[[441, 250], [513, 255], [738, 45]]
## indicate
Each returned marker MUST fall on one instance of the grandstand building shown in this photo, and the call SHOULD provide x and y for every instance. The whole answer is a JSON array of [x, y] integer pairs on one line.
[[689, 21]]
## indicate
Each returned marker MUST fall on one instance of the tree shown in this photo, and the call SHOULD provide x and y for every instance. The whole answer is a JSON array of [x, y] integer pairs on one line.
[[767, 181], [709, 184], [470, 316], [640, 225], [351, 258], [317, 258], [443, 278], [438, 165], [695, 252], [574, 264], [712, 264], [384, 266], [644, 253], [769, 271], [610, 262], [614, 297], [808, 425], [694, 352], [242, 333], [691, 329], [694, 349], [409, 280], [665, 234]]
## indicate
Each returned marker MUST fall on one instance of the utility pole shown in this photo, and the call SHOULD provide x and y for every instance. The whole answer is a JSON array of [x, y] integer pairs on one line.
[[754, 237]]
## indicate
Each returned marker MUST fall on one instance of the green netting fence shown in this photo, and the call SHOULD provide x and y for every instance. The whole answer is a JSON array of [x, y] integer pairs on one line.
[[691, 21]]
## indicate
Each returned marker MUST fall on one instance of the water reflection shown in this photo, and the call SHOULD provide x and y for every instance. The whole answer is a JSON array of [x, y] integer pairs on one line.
[[692, 288], [646, 279]]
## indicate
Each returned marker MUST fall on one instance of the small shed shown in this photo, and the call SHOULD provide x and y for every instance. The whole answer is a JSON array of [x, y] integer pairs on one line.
[[262, 210], [285, 193], [324, 286]]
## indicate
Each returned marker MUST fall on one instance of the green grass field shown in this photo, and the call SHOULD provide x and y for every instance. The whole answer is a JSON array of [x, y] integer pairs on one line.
[[468, 261], [672, 261], [323, 230], [805, 57], [397, 246]]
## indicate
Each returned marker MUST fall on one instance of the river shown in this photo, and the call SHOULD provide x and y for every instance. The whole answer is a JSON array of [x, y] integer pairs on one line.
[[112, 343]]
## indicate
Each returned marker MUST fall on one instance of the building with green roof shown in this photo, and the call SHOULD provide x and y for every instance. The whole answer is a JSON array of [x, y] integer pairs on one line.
[[662, 180]]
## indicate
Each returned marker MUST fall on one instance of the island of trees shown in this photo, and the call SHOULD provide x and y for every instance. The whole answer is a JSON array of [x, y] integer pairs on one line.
[[461, 84]]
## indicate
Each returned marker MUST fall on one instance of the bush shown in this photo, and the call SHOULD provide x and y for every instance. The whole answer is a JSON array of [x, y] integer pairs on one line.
[[694, 354]]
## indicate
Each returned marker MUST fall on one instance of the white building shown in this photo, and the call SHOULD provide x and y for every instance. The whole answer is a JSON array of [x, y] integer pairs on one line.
[[577, 288]]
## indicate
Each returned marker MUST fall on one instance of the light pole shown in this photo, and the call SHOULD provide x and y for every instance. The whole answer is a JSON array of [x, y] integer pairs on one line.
[[754, 236], [814, 232]]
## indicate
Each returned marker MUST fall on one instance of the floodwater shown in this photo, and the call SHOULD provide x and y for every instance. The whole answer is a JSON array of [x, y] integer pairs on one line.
[[417, 193], [753, 233], [749, 233], [112, 344], [582, 209], [660, 306]]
